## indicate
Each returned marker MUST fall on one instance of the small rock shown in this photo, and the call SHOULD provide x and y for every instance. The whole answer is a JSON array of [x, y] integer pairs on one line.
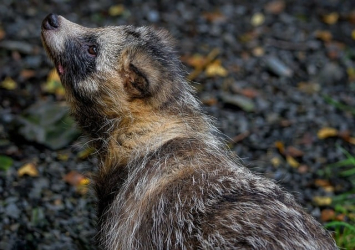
[[12, 211], [237, 100], [278, 67]]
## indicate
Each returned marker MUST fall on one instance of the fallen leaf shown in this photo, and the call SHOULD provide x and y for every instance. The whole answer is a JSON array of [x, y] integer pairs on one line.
[[280, 146], [327, 215], [340, 217], [351, 73], [200, 63], [294, 152], [309, 87], [74, 178], [275, 161], [292, 161], [216, 69], [195, 60], [216, 16], [63, 157], [5, 162], [27, 73], [2, 33], [257, 19], [331, 18], [325, 184], [28, 169], [327, 132], [322, 200], [85, 153], [116, 10], [275, 7], [324, 35], [249, 92], [352, 140], [302, 169], [8, 83], [258, 51], [53, 84], [240, 137]]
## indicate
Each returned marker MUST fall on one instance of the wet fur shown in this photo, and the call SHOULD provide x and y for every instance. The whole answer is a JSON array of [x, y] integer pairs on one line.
[[165, 179]]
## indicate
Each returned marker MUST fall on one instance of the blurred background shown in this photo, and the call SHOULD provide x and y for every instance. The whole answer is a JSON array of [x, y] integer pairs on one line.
[[278, 76]]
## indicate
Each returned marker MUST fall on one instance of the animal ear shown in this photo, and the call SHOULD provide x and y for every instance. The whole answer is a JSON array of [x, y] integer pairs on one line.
[[135, 76]]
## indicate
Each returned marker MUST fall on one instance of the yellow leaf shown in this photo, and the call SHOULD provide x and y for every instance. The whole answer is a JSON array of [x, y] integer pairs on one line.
[[324, 35], [28, 169], [331, 18], [85, 153], [84, 181], [292, 162], [63, 157], [74, 178], [196, 61], [280, 146], [53, 84], [8, 83], [352, 140], [257, 19], [327, 132], [216, 69], [53, 76], [322, 201], [116, 10], [275, 161]]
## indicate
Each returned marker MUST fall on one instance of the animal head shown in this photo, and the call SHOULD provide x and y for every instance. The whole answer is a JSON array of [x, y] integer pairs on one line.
[[115, 72]]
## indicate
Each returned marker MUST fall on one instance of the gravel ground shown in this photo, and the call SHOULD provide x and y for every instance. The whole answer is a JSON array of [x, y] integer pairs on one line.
[[265, 70]]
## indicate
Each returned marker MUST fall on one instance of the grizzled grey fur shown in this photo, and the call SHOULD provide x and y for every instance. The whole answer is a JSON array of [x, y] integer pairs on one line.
[[165, 181]]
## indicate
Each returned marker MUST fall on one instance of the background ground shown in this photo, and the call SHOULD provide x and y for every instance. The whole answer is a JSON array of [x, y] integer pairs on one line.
[[278, 76]]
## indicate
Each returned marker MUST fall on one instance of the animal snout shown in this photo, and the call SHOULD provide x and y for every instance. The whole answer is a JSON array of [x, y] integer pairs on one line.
[[50, 22]]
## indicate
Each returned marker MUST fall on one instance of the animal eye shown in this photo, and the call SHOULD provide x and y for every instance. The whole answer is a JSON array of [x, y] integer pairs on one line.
[[92, 50]]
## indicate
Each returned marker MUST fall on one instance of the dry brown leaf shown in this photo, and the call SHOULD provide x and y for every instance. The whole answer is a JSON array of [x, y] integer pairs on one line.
[[216, 16], [325, 184], [309, 87], [2, 33], [302, 169], [327, 132], [201, 65], [294, 152], [324, 35], [28, 169], [249, 92], [27, 73], [327, 215], [340, 217], [292, 161], [275, 7], [352, 140], [331, 18], [116, 10], [322, 200], [216, 69], [280, 146], [74, 178], [8, 83], [196, 60]]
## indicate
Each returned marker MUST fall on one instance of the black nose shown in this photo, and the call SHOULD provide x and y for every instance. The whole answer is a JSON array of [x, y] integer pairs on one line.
[[50, 22]]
